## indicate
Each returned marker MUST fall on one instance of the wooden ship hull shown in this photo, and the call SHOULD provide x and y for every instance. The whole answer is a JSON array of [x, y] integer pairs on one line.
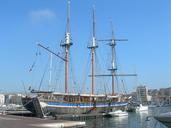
[[72, 104]]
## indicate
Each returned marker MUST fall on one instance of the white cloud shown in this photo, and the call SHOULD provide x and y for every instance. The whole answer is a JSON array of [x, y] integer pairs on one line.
[[42, 15]]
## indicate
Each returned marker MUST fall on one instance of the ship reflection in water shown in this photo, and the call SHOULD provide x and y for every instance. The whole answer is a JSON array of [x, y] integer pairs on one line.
[[133, 120]]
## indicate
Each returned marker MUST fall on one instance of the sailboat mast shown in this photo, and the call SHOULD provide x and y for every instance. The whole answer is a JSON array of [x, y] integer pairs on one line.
[[93, 46], [66, 70], [67, 48], [67, 45], [92, 91], [50, 72], [113, 69], [68, 18], [92, 51]]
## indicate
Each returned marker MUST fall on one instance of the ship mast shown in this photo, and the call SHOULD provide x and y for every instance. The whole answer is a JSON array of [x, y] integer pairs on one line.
[[114, 67], [50, 72], [93, 46], [67, 45]]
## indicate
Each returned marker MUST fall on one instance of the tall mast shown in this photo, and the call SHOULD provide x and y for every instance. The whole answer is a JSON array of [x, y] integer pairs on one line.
[[68, 18], [67, 45], [50, 72], [113, 68], [93, 46]]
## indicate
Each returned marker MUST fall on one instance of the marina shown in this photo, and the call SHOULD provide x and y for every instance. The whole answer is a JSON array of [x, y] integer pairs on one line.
[[140, 119], [143, 119]]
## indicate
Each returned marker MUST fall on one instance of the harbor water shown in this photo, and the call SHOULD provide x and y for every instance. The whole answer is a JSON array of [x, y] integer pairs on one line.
[[142, 119]]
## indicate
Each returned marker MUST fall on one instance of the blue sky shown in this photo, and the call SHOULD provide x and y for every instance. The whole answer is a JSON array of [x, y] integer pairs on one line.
[[146, 24]]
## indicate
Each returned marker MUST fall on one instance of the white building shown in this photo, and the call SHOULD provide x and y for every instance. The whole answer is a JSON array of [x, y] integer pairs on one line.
[[13, 99], [142, 95], [2, 99]]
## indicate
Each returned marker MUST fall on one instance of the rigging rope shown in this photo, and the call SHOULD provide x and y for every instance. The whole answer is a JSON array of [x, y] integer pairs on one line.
[[117, 84], [102, 81], [97, 71], [72, 73], [85, 73], [123, 84], [57, 73], [34, 62], [41, 81], [58, 69], [31, 71]]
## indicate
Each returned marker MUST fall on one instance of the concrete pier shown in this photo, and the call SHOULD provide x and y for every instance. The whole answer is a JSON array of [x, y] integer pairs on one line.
[[12, 121], [80, 116]]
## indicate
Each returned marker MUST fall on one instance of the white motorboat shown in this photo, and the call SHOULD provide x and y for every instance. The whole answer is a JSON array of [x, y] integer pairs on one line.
[[142, 108], [118, 113]]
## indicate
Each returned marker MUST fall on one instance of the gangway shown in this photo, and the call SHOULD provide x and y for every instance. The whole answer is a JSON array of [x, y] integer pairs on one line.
[[38, 108]]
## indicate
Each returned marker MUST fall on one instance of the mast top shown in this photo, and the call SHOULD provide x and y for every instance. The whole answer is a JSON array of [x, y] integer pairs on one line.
[[68, 42], [94, 22], [113, 37], [68, 18], [94, 44]]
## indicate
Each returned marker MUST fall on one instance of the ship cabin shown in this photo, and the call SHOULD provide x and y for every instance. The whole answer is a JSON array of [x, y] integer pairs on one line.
[[78, 98]]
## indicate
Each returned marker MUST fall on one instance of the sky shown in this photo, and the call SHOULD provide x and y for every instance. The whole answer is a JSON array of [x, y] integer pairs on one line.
[[145, 23]]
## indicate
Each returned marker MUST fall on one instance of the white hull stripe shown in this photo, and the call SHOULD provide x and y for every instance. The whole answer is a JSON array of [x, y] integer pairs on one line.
[[71, 105]]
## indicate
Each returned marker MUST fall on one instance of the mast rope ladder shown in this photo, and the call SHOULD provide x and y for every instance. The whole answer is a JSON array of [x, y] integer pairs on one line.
[[75, 83], [58, 73], [85, 73], [99, 70]]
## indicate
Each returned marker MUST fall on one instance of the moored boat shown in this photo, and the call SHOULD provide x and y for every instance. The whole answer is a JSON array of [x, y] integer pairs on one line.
[[117, 113], [141, 108]]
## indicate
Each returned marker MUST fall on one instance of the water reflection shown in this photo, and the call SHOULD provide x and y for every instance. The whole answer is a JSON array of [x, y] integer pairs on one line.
[[133, 120]]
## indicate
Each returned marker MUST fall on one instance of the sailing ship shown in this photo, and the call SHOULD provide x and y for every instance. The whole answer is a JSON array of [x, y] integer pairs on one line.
[[77, 103]]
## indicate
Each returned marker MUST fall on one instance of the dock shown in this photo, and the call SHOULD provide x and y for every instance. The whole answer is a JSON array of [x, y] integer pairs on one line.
[[12, 121], [80, 116]]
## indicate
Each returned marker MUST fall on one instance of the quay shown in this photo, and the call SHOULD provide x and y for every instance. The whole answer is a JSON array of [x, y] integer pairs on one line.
[[80, 116], [13, 121]]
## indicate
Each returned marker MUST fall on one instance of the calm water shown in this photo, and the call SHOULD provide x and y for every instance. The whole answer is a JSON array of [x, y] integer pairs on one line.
[[133, 120]]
